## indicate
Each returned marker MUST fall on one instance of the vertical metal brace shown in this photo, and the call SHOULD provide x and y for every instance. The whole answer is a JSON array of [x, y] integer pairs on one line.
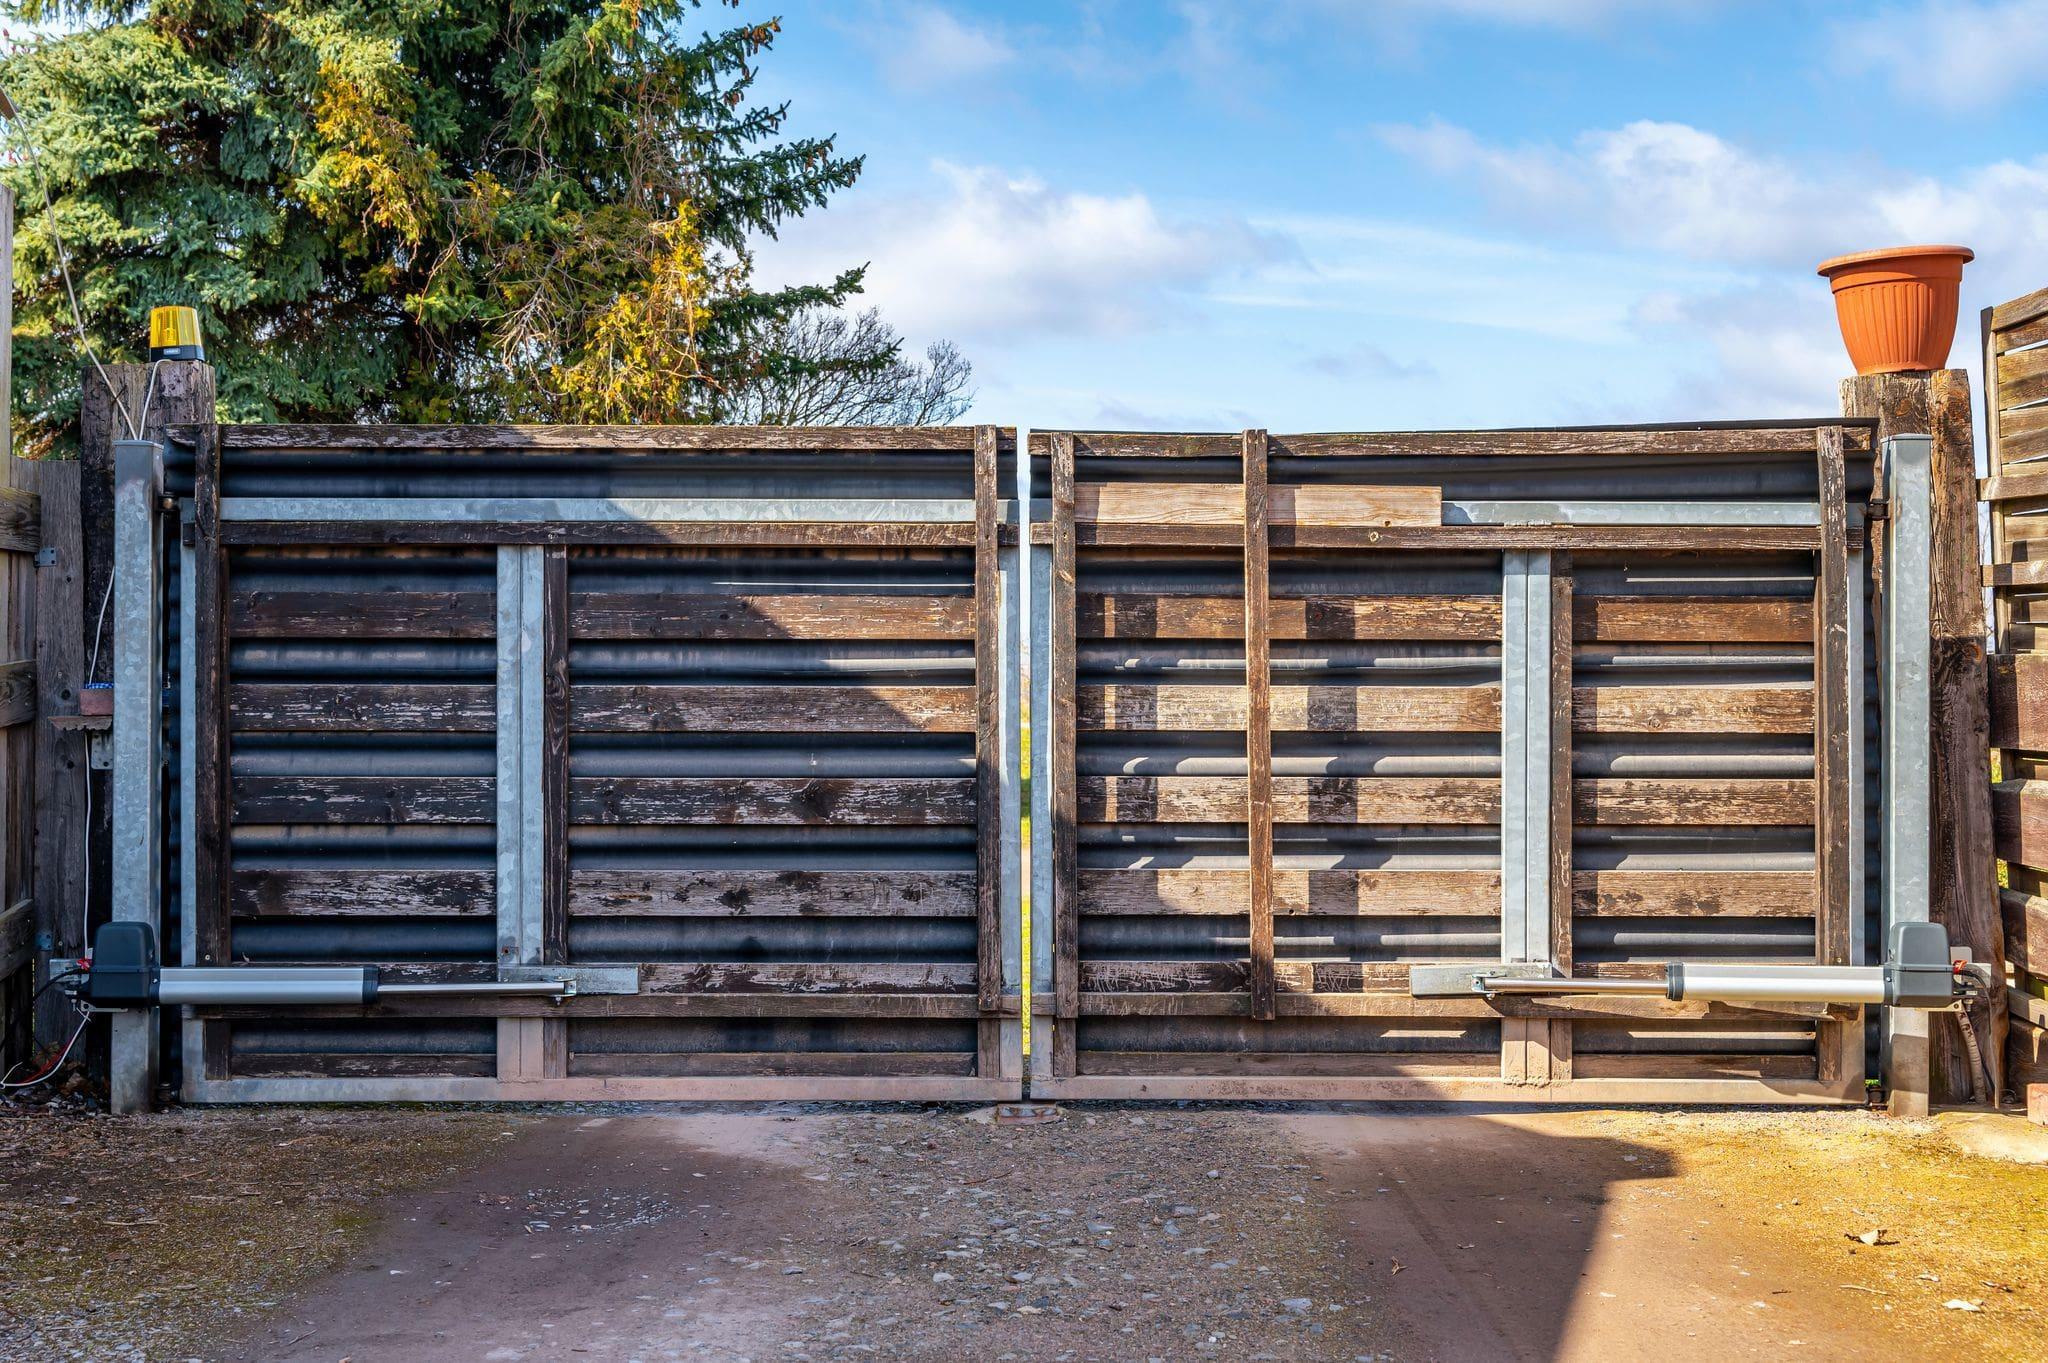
[[192, 1032], [1525, 834], [1039, 610], [1908, 795], [522, 737], [1525, 740], [138, 728]]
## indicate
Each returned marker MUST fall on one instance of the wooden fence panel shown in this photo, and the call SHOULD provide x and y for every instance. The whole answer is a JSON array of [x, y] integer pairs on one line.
[[2016, 495]]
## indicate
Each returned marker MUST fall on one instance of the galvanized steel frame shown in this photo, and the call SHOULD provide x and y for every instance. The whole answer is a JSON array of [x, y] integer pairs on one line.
[[1907, 723]]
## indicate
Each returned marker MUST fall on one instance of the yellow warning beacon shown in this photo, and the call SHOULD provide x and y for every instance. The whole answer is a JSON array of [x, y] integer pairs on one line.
[[174, 334]]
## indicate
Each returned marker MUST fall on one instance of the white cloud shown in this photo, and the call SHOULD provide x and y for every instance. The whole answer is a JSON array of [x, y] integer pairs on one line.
[[1954, 54], [929, 47], [1677, 189], [991, 255]]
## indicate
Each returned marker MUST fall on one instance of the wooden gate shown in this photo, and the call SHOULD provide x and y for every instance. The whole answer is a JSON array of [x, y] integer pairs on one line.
[[1318, 708], [708, 719]]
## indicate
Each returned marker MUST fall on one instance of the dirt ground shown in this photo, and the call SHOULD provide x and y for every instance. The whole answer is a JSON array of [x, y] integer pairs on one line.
[[1130, 1232]]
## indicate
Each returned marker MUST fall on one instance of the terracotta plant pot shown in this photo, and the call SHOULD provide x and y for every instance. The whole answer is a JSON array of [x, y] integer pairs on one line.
[[1897, 307]]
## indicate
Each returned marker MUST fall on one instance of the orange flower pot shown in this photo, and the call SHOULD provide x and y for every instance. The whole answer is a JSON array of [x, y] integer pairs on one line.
[[1897, 307]]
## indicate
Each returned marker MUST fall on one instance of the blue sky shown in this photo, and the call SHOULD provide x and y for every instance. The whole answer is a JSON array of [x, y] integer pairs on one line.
[[1321, 214]]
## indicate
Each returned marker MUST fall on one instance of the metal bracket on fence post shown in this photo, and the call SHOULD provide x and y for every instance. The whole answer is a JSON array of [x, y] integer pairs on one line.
[[1908, 534], [138, 758]]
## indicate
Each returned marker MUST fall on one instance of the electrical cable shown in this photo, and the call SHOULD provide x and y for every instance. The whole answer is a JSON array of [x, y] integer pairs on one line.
[[84, 1017]]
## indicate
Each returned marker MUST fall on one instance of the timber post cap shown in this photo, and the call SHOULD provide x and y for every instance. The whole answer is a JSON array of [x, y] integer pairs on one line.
[[1897, 306]]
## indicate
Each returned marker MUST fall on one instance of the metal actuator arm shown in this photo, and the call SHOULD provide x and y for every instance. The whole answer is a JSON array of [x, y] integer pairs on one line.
[[1920, 972], [124, 973]]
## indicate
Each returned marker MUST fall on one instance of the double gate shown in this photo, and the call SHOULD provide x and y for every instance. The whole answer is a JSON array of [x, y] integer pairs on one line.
[[1321, 708], [726, 725]]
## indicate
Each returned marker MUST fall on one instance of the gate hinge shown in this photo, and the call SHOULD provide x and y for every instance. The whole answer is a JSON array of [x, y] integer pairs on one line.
[[46, 557], [1878, 509]]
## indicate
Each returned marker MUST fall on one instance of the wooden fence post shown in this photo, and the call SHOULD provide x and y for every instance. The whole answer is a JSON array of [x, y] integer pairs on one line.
[[1964, 889]]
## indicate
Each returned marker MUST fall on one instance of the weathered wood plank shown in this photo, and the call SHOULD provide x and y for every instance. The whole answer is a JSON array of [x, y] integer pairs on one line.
[[1259, 504], [2009, 316], [213, 700], [1833, 930], [789, 800], [59, 755], [1691, 619], [1338, 709], [850, 1064], [326, 893], [2022, 376], [1064, 692], [926, 1007], [1401, 1004], [610, 439], [777, 977], [773, 894], [1147, 616], [1649, 539], [986, 811], [1694, 894], [2019, 700], [1393, 893], [402, 707], [1692, 709], [1222, 504], [645, 534], [1285, 1064], [773, 709], [665, 615], [17, 692], [360, 615], [1713, 801], [1694, 438], [2025, 918], [362, 799], [1294, 799]]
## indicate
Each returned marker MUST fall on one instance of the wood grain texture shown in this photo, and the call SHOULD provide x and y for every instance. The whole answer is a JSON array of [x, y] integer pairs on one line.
[[987, 809], [1292, 799], [402, 707], [361, 893], [773, 709], [1189, 891], [1223, 504], [59, 755], [1691, 619], [669, 615], [639, 534], [1831, 708], [1258, 736], [360, 615], [1692, 709], [1152, 616], [773, 894], [1732, 801], [285, 436], [1295, 709], [1690, 438], [1694, 894]]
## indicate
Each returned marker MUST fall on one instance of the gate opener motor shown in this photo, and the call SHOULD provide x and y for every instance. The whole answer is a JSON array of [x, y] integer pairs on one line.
[[124, 973], [1920, 971]]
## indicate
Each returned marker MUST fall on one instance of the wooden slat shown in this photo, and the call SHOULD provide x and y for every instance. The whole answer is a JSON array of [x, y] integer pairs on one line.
[[1668, 1066], [309, 893], [2019, 821], [1258, 675], [795, 1064], [773, 894], [1294, 799], [2019, 701], [1692, 709], [638, 534], [2022, 376], [2008, 316], [773, 709], [772, 800], [17, 692], [774, 977], [2022, 442], [1395, 1004], [453, 439], [404, 707], [2025, 485], [1713, 801], [2026, 930], [1295, 709], [1688, 438], [665, 615], [214, 711], [1691, 619], [361, 615], [2033, 573], [1694, 894], [1289, 977], [1392, 893], [987, 810], [17, 940], [1653, 539], [20, 521], [1222, 504], [362, 800], [1830, 698], [60, 758], [1287, 1064], [1066, 920], [1149, 616], [773, 1006]]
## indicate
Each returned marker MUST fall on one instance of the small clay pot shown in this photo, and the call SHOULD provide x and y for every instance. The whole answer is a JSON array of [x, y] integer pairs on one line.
[[1897, 307]]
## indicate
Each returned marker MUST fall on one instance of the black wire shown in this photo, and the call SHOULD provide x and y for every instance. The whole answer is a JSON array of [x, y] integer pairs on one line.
[[69, 974]]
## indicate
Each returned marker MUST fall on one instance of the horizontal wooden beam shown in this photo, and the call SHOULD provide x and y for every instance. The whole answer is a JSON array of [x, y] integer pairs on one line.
[[1702, 438], [450, 439], [643, 534], [594, 800], [1142, 615], [1445, 800], [1400, 709], [772, 709], [1190, 891], [1222, 504]]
